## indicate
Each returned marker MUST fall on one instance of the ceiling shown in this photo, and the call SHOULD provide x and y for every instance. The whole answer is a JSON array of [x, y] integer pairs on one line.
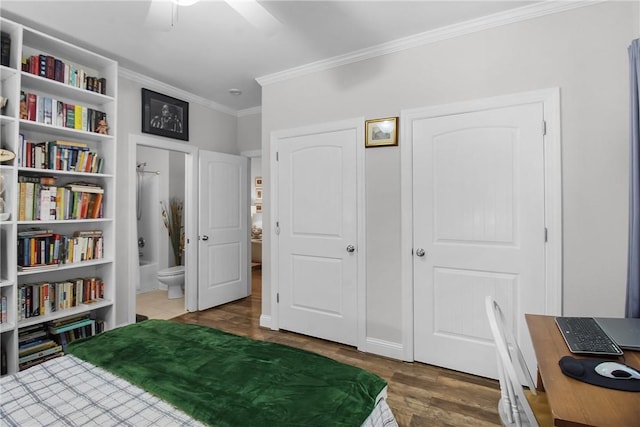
[[208, 48]]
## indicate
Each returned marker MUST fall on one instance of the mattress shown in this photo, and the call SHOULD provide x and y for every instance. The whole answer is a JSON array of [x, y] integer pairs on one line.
[[69, 391]]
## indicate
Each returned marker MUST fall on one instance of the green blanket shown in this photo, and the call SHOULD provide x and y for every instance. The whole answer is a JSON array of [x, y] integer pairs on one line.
[[226, 380]]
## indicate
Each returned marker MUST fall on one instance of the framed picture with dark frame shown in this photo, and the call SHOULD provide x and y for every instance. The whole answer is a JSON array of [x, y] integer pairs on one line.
[[164, 115]]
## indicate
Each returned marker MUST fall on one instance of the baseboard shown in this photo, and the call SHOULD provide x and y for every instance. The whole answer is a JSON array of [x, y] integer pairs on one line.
[[389, 349], [265, 321]]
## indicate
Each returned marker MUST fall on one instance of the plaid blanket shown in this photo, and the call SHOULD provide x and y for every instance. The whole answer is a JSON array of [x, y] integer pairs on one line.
[[67, 391]]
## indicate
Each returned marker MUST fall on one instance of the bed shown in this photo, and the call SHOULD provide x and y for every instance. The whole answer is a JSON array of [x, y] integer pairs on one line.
[[158, 372]]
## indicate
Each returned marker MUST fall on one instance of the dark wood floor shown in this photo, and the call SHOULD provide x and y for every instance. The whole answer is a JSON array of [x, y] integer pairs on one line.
[[419, 394]]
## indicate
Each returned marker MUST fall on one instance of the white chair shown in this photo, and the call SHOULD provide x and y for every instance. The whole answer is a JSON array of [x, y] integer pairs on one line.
[[515, 404]]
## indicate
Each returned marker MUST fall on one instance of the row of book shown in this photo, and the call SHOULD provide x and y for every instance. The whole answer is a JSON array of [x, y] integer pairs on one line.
[[44, 298], [53, 68], [4, 314], [45, 341], [59, 155], [40, 199], [36, 346], [39, 249], [50, 111], [5, 49]]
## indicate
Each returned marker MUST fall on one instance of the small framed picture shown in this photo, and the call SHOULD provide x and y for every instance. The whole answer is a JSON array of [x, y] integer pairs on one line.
[[258, 181], [381, 132], [258, 207], [258, 193], [164, 115]]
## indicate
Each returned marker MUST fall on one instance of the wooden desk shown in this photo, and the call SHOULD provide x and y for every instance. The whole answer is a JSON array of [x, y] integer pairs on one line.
[[572, 402]]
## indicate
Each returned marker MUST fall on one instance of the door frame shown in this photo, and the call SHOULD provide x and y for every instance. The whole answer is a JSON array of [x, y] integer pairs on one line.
[[276, 137], [550, 98], [190, 217]]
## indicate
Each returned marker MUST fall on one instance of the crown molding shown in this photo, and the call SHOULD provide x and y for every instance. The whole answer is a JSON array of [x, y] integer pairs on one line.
[[475, 25], [174, 91], [249, 111]]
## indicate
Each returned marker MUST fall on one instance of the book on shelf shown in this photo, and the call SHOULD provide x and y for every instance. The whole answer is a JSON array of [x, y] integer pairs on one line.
[[85, 187], [26, 349], [69, 330], [5, 48], [35, 362], [23, 105], [32, 101], [48, 111], [72, 325], [40, 267], [39, 355], [52, 68], [32, 333], [50, 297], [3, 309]]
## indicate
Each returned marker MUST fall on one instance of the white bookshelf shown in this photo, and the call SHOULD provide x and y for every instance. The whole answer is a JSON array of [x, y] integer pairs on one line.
[[27, 42]]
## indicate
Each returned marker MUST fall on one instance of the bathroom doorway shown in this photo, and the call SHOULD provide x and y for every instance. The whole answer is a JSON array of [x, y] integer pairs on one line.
[[163, 173], [160, 194]]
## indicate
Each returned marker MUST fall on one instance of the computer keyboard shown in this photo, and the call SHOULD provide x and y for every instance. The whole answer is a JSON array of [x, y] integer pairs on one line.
[[583, 335]]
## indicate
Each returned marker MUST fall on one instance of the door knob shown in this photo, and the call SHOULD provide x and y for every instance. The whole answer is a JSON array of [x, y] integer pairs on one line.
[[351, 248], [205, 237], [420, 252]]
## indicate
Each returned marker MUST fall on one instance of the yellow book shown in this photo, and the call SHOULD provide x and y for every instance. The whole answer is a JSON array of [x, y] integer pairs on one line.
[[77, 124]]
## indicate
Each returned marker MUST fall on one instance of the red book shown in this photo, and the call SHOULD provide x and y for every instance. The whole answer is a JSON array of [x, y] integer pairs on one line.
[[32, 102], [34, 63], [51, 67]]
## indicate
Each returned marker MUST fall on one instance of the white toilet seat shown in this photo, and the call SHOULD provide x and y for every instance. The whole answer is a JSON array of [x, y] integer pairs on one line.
[[171, 271]]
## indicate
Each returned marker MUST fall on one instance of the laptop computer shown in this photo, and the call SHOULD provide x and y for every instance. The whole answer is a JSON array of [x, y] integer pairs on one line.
[[624, 331]]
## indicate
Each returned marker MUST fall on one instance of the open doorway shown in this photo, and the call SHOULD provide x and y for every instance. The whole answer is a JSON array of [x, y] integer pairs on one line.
[[160, 195], [257, 187], [164, 173]]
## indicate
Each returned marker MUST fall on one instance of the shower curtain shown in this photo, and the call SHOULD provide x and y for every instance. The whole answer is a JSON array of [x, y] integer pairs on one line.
[[633, 273]]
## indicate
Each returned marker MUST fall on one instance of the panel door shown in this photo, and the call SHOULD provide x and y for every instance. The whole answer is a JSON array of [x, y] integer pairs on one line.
[[478, 198], [223, 231], [318, 235]]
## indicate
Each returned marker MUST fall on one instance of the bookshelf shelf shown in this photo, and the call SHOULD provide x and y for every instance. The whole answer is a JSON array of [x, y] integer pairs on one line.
[[5, 283], [51, 87], [81, 309], [78, 175], [7, 327], [6, 119], [56, 131], [89, 67], [69, 266], [64, 221]]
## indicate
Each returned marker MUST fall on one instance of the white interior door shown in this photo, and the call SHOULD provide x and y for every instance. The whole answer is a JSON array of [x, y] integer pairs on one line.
[[479, 229], [223, 255], [318, 237]]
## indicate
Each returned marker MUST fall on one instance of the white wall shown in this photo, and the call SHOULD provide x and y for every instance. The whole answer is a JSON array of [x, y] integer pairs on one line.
[[582, 51], [249, 126], [208, 129]]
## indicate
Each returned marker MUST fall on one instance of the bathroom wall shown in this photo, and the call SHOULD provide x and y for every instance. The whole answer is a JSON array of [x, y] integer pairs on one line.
[[150, 226]]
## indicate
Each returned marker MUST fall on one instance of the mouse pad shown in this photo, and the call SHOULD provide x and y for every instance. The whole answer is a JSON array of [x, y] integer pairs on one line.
[[584, 370]]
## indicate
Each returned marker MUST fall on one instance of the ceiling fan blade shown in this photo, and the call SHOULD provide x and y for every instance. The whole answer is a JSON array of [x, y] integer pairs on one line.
[[161, 15], [256, 15]]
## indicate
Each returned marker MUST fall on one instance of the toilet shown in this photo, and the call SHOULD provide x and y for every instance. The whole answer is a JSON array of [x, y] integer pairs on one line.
[[173, 277]]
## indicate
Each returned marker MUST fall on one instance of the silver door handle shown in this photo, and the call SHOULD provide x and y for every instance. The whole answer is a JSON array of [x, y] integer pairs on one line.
[[205, 237], [351, 248], [420, 252]]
